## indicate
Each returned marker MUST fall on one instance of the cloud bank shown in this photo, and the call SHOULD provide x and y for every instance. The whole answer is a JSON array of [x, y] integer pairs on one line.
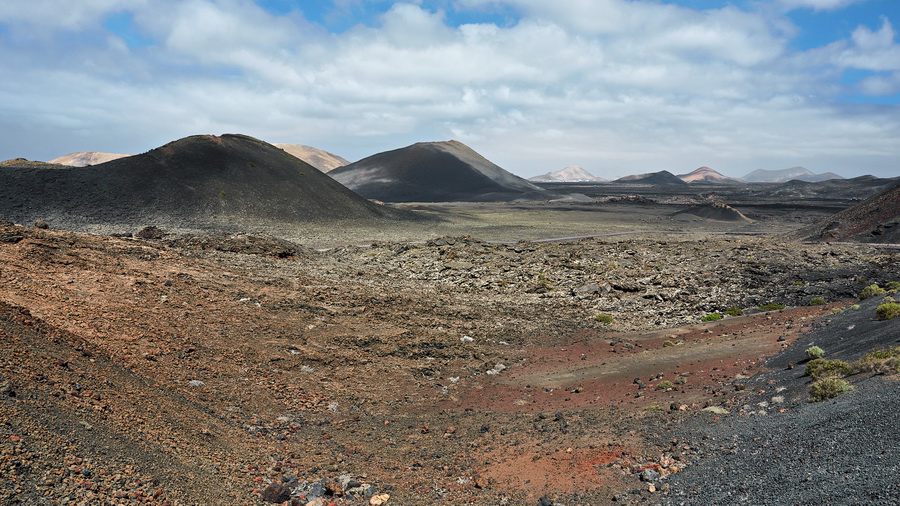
[[614, 86]]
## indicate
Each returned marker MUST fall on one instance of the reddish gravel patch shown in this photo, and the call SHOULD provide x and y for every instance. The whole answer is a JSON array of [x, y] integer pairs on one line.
[[601, 369]]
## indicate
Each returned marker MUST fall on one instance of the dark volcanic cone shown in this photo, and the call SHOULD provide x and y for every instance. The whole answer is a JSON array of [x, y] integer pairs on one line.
[[716, 211], [433, 172], [195, 182], [876, 219], [655, 178]]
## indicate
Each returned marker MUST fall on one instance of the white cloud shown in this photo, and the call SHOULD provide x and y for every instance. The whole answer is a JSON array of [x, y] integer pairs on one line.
[[870, 50], [50, 14], [819, 5], [615, 86]]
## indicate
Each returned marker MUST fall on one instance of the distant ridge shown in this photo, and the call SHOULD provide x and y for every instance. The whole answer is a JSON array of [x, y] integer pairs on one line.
[[661, 177], [433, 172], [194, 182], [318, 158], [785, 175], [572, 173], [85, 158], [706, 175]]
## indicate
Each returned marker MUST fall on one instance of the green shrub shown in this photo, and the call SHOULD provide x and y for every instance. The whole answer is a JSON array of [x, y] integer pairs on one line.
[[885, 361], [604, 318], [817, 301], [814, 352], [893, 286], [821, 368], [734, 311], [828, 388], [771, 306], [888, 310], [871, 291], [711, 317], [665, 385]]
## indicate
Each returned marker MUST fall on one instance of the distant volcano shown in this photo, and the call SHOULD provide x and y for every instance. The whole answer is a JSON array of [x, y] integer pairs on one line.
[[572, 173], [197, 181], [85, 158], [706, 175], [318, 158], [655, 178], [433, 172]]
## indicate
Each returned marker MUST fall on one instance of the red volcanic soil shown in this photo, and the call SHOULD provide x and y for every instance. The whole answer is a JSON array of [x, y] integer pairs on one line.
[[597, 377], [601, 369]]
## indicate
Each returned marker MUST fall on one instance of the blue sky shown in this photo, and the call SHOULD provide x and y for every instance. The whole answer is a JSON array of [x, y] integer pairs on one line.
[[616, 86]]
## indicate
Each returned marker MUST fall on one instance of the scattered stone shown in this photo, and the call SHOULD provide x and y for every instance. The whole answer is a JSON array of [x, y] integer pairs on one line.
[[276, 493], [649, 475], [151, 232], [379, 499], [333, 487]]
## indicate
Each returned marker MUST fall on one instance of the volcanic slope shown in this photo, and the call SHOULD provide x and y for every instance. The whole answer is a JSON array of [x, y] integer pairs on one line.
[[876, 219], [318, 158], [198, 182], [434, 172]]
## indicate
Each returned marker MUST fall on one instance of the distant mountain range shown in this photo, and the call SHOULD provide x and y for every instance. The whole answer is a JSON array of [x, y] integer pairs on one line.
[[327, 162], [785, 175], [704, 175], [572, 173]]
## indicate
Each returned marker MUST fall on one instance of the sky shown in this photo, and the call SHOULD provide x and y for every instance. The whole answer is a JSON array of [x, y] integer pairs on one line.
[[616, 86]]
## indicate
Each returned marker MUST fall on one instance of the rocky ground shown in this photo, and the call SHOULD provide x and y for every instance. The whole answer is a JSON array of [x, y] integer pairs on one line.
[[247, 370]]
